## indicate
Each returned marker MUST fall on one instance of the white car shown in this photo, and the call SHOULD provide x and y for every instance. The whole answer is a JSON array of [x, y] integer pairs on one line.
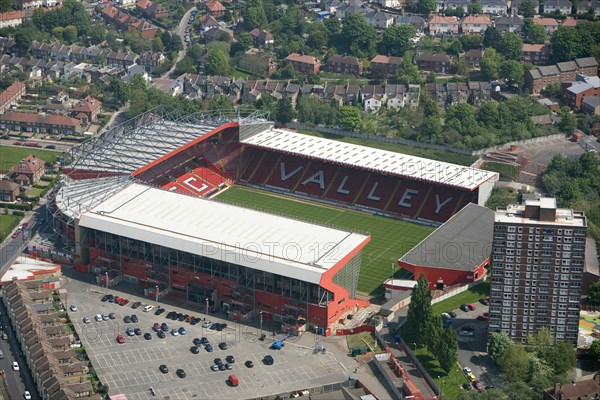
[[73, 307], [98, 317], [466, 333], [174, 332], [148, 308], [86, 320], [15, 366], [207, 324], [27, 395], [446, 316], [467, 370]]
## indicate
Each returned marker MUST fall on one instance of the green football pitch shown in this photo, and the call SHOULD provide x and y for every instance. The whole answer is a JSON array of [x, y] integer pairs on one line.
[[390, 239]]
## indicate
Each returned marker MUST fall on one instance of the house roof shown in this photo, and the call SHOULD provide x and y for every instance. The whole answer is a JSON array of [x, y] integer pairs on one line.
[[88, 105], [10, 92], [477, 20], [349, 60], [439, 19], [8, 186], [39, 119], [436, 57], [29, 165], [579, 389], [381, 59], [545, 21], [569, 21], [214, 6], [474, 53], [12, 15], [566, 66], [590, 101], [514, 20], [558, 3], [586, 62], [548, 70], [535, 48], [295, 57], [261, 34]]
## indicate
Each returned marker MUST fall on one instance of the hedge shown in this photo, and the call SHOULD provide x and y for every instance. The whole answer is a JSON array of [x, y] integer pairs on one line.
[[17, 206]]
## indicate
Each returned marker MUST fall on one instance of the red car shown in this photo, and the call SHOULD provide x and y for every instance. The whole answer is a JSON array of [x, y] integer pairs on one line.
[[16, 234], [25, 225], [479, 386], [483, 317], [471, 306], [156, 327], [120, 339]]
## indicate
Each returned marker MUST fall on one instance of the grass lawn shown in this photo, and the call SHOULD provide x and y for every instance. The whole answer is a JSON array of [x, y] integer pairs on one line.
[[505, 170], [9, 156], [33, 192], [450, 383], [468, 296], [7, 224], [390, 239], [356, 340], [438, 155]]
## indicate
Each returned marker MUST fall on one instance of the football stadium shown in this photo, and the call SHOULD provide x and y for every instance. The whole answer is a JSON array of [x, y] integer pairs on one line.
[[248, 218]]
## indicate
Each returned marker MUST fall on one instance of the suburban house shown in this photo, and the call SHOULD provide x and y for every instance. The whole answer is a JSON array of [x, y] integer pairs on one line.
[[493, 7], [538, 78], [303, 63], [514, 6], [418, 22], [215, 8], [344, 64], [442, 5], [473, 57], [584, 86], [379, 19], [259, 65], [591, 105], [535, 53], [587, 6], [11, 96], [28, 171], [217, 34], [8, 190], [549, 24], [261, 37], [207, 22], [151, 10], [125, 21], [11, 19], [475, 24], [168, 86], [89, 106], [373, 97], [509, 24], [560, 6], [399, 96], [352, 7], [29, 122], [440, 25], [382, 66], [151, 60], [586, 387], [433, 62], [119, 59]]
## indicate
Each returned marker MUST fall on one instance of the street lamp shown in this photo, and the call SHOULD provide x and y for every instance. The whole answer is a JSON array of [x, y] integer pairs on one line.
[[414, 344], [156, 292], [261, 317], [106, 276], [206, 305]]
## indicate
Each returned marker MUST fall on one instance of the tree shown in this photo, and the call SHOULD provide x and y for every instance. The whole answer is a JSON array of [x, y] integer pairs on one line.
[[216, 63], [5, 5], [568, 121], [527, 9], [254, 15], [349, 118], [462, 118], [518, 390], [514, 362], [358, 37], [474, 8], [187, 65], [23, 40], [470, 41], [499, 342], [562, 357], [447, 353], [397, 39], [285, 112], [491, 37], [552, 90], [510, 46], [456, 47], [157, 44], [512, 72], [426, 6], [419, 309], [595, 350], [533, 33], [565, 44], [594, 294], [96, 33], [317, 39], [70, 34], [431, 130], [195, 51], [243, 43], [490, 64]]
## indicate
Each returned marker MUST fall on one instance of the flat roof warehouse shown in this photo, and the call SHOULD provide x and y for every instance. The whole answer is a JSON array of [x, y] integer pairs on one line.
[[229, 233]]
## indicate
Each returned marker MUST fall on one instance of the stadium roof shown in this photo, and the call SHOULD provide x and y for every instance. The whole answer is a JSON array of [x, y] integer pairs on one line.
[[383, 161], [462, 243], [229, 233]]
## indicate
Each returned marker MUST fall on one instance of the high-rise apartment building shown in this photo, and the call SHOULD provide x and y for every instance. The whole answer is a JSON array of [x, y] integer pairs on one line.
[[538, 256]]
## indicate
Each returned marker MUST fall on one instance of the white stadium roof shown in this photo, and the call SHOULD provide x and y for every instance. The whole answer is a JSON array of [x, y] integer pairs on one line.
[[387, 162], [242, 236]]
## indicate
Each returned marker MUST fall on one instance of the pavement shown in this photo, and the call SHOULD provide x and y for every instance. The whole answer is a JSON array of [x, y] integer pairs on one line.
[[180, 31]]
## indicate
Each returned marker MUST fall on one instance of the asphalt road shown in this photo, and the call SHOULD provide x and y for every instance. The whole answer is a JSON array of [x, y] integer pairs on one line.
[[180, 30], [61, 147]]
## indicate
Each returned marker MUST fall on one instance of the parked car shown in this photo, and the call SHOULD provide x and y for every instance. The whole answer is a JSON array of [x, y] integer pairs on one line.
[[105, 298], [135, 305], [467, 386], [120, 339], [485, 301], [98, 317], [159, 311], [147, 336], [163, 368], [156, 327], [160, 334], [197, 342], [174, 332], [130, 331], [112, 315], [164, 327], [137, 331], [15, 366], [223, 346], [127, 319], [208, 348], [249, 364], [27, 395], [466, 333], [268, 359], [214, 367], [479, 386], [452, 314], [86, 320], [73, 307], [180, 373], [195, 349], [471, 306], [204, 341], [467, 370], [182, 331], [471, 377], [105, 317], [230, 359], [134, 319], [51, 147], [206, 324], [483, 317], [464, 307], [446, 316], [148, 308]]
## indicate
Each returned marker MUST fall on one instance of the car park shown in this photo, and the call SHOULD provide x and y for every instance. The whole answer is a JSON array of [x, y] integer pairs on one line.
[[120, 339], [148, 308], [249, 364], [268, 359], [137, 304], [181, 373], [73, 307], [98, 317], [163, 368], [15, 366], [223, 346], [147, 336], [160, 334]]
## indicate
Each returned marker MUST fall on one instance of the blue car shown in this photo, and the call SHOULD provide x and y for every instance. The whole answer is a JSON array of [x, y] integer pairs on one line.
[[208, 348], [182, 331]]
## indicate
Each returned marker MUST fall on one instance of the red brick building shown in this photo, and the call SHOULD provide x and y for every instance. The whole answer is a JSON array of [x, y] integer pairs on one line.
[[11, 96], [89, 106], [538, 78], [28, 171], [535, 53], [344, 64], [304, 64], [215, 8], [582, 87], [382, 66], [29, 122]]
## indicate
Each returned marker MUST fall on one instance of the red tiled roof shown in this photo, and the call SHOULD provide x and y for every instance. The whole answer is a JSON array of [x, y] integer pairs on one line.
[[381, 59], [476, 19], [214, 6], [6, 185], [22, 178], [438, 19], [89, 104], [29, 165], [39, 119], [302, 58], [143, 4], [11, 15], [545, 21], [10, 91], [535, 48], [569, 21]]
